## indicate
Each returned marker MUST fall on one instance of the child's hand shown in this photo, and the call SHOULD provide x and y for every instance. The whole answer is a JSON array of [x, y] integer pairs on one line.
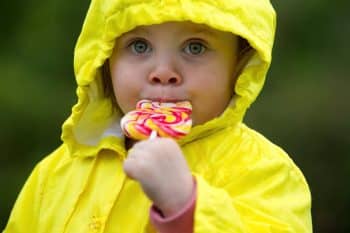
[[160, 167]]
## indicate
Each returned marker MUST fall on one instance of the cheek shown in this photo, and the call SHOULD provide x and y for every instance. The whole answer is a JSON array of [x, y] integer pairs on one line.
[[126, 86], [212, 81], [211, 91]]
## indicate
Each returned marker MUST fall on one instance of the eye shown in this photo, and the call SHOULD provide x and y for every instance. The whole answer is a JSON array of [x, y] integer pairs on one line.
[[140, 47], [195, 48]]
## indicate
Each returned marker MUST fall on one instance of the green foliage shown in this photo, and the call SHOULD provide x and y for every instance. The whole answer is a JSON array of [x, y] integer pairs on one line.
[[303, 108]]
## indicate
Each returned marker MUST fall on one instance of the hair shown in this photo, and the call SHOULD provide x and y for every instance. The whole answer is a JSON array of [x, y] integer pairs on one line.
[[107, 83], [243, 54]]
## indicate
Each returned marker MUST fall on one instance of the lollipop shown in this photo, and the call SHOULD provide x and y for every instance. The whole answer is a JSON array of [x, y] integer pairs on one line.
[[163, 119]]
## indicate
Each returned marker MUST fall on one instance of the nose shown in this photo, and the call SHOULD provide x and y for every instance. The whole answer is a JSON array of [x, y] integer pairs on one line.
[[164, 75]]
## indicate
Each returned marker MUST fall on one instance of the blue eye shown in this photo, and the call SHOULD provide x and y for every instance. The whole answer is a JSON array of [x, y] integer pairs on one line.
[[195, 48], [140, 46]]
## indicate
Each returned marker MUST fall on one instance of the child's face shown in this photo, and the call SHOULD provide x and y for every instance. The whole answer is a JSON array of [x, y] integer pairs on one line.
[[175, 61]]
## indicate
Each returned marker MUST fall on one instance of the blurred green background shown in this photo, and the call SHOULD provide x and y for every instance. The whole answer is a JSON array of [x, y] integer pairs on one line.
[[304, 106]]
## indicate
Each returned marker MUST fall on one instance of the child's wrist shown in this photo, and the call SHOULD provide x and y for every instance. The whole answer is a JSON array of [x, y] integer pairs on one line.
[[174, 205]]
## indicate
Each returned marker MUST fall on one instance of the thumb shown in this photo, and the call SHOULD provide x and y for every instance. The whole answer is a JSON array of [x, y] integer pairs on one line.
[[129, 168]]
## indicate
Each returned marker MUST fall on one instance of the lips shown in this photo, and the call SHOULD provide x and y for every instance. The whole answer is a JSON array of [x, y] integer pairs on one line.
[[164, 94], [166, 99]]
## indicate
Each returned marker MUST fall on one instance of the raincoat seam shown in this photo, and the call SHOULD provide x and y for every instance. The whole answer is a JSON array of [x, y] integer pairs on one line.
[[78, 198], [115, 201]]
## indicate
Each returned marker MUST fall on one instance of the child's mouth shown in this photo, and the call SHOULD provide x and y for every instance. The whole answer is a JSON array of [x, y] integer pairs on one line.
[[166, 100]]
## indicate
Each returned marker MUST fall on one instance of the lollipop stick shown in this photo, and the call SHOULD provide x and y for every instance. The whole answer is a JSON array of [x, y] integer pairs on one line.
[[153, 134]]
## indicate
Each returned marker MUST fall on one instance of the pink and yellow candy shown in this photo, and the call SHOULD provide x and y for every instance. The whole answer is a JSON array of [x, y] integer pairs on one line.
[[167, 119]]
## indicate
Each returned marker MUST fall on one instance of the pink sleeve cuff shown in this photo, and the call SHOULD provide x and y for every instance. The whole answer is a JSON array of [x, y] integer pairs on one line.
[[181, 221]]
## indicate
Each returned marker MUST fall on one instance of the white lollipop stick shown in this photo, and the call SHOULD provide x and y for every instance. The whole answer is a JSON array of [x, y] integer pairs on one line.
[[153, 134]]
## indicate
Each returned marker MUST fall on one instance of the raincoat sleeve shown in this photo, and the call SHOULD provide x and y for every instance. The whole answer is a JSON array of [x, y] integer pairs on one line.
[[25, 213], [271, 196]]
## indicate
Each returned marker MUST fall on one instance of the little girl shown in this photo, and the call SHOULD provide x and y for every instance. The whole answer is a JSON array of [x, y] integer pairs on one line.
[[221, 177]]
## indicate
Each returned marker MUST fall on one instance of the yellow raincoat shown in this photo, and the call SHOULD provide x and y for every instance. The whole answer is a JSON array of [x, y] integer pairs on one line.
[[245, 183]]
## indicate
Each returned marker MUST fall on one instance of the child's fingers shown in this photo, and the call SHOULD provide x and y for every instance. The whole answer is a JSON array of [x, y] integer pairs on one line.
[[130, 165], [134, 164]]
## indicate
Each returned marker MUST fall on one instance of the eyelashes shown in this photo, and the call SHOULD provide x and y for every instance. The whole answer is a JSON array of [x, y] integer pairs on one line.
[[192, 47], [139, 46]]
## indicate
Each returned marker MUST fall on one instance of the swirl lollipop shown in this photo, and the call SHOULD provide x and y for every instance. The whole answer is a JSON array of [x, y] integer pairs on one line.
[[158, 119]]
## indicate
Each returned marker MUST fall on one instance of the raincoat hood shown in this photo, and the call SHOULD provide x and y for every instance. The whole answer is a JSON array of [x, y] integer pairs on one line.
[[94, 122]]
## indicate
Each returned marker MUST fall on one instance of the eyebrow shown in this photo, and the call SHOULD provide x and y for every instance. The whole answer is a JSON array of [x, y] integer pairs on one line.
[[139, 30], [204, 31], [189, 30]]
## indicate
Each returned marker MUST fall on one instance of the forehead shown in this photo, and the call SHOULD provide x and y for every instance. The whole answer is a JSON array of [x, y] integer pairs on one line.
[[178, 28]]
